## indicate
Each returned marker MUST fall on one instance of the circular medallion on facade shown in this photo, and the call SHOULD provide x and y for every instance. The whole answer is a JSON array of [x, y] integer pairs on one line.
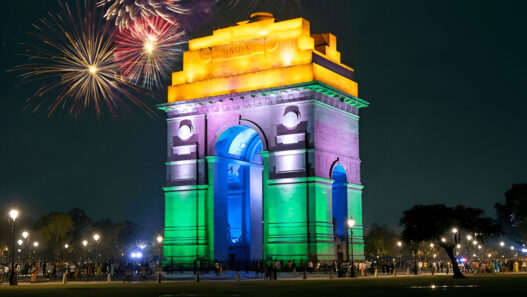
[[184, 132], [291, 119]]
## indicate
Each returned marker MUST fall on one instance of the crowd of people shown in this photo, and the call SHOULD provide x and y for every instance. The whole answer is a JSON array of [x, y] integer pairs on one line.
[[80, 270]]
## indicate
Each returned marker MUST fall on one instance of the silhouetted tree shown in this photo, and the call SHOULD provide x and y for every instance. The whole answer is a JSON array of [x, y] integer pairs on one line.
[[445, 226], [513, 214]]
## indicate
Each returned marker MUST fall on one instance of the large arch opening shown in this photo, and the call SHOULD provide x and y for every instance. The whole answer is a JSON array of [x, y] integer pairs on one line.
[[238, 234], [339, 201]]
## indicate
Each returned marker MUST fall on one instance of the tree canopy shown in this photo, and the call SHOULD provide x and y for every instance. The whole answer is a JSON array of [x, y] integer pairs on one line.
[[513, 213], [380, 241], [445, 225]]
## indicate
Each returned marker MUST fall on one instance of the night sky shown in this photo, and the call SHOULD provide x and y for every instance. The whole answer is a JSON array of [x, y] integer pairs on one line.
[[446, 123]]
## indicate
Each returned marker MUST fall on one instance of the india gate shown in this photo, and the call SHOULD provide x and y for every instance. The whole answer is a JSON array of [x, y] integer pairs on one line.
[[263, 148]]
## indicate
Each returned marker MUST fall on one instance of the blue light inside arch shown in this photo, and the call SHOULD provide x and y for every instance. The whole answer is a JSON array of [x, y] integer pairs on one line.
[[240, 143], [339, 174], [340, 200]]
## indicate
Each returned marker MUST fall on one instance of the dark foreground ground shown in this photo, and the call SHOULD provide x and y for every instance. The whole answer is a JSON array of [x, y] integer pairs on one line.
[[484, 285]]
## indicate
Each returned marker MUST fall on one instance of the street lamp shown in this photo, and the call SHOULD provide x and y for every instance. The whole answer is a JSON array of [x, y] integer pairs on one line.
[[351, 224], [25, 234], [469, 237], [159, 240], [502, 244], [399, 245], [84, 244], [454, 230], [35, 244], [20, 242], [96, 237], [13, 214]]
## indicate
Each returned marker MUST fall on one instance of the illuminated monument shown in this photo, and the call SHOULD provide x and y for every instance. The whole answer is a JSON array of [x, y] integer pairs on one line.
[[263, 148]]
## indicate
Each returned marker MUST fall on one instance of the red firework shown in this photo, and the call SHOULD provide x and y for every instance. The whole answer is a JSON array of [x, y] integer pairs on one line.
[[147, 51]]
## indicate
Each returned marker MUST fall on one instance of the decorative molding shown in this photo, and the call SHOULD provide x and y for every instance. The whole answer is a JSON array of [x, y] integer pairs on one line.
[[314, 90]]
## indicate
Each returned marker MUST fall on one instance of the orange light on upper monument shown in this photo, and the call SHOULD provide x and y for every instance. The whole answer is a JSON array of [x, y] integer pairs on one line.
[[257, 54]]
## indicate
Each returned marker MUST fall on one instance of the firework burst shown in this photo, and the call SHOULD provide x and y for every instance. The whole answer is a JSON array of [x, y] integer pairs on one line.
[[74, 59], [125, 12], [147, 51]]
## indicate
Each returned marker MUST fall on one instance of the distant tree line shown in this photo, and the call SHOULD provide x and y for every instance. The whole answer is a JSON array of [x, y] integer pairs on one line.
[[60, 237]]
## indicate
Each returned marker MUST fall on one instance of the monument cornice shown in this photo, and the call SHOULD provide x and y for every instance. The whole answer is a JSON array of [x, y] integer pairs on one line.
[[314, 90]]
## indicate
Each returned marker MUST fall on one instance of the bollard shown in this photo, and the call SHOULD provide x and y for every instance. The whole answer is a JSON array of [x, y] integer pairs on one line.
[[376, 274], [237, 275], [109, 278], [331, 274], [65, 278], [159, 277], [197, 277], [305, 275]]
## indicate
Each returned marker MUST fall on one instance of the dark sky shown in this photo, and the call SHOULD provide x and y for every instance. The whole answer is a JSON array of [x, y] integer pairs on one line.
[[446, 124]]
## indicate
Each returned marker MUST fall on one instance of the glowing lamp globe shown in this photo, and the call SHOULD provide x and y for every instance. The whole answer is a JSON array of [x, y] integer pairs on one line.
[[25, 234], [13, 214], [351, 223]]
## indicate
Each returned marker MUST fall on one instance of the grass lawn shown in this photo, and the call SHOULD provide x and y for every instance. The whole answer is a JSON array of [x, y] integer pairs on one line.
[[481, 286]]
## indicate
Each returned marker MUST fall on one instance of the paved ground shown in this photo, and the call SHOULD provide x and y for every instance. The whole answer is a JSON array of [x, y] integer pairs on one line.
[[479, 285]]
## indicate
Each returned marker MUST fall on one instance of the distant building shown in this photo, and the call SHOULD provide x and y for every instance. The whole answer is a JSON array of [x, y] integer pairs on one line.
[[263, 148]]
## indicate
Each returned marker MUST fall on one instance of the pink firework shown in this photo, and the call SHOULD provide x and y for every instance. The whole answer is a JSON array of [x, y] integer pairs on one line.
[[147, 51]]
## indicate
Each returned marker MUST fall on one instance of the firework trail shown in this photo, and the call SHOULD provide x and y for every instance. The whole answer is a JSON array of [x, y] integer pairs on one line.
[[147, 51], [253, 3], [74, 59], [125, 12]]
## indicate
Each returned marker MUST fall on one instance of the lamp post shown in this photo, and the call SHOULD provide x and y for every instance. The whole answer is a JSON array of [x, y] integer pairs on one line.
[[159, 240], [96, 237], [66, 247], [351, 224], [35, 245], [84, 244], [399, 245], [13, 214], [25, 235]]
